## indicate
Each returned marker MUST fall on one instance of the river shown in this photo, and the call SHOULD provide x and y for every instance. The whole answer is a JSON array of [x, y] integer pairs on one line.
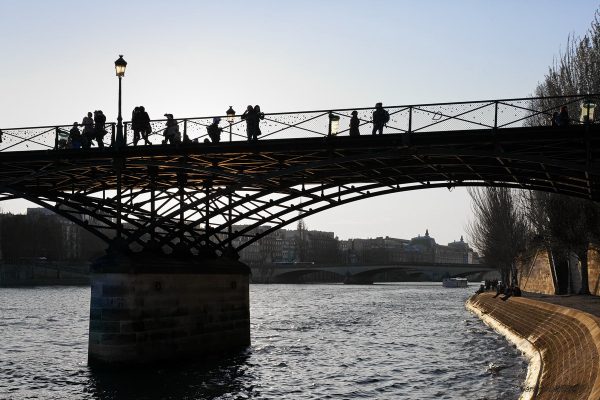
[[382, 341]]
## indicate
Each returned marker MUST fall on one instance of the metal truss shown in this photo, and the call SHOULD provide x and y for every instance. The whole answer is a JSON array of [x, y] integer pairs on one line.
[[219, 198]]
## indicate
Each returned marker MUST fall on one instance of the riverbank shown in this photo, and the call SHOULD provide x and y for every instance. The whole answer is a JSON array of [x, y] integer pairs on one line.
[[562, 343]]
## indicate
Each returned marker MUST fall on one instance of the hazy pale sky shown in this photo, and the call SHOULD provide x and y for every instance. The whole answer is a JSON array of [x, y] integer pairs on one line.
[[196, 58]]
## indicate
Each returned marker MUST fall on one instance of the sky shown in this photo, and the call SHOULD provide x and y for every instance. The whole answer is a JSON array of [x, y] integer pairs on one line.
[[196, 58]]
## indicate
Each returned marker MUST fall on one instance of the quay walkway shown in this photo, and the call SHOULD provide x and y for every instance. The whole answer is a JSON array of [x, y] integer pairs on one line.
[[559, 334]]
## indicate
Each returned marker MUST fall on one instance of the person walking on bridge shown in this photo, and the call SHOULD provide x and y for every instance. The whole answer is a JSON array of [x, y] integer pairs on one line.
[[144, 121], [354, 124], [99, 122], [171, 133], [380, 118], [135, 125], [88, 131], [214, 132], [75, 136], [253, 115]]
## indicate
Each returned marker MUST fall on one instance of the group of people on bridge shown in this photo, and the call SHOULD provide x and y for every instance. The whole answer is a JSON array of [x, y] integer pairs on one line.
[[94, 130]]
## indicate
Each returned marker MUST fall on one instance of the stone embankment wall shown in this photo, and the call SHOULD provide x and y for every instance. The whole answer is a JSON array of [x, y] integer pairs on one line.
[[43, 274], [536, 276], [594, 270], [535, 273], [563, 345]]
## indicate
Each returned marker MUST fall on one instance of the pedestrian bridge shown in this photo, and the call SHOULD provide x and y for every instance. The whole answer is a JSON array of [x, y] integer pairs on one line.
[[194, 196], [365, 273], [174, 216]]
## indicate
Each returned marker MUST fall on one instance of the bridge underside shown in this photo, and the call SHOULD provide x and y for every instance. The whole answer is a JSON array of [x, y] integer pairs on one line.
[[189, 197]]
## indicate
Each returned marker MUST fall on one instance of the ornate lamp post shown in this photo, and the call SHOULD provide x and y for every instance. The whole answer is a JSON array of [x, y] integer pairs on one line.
[[120, 65], [230, 118]]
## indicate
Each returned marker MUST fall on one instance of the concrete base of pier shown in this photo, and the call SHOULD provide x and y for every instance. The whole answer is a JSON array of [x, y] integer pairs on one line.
[[152, 308]]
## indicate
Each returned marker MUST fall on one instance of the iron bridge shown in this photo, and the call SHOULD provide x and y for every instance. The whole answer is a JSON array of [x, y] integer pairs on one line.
[[199, 198]]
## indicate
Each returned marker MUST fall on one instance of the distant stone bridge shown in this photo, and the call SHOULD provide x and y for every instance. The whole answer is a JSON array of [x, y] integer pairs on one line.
[[365, 274]]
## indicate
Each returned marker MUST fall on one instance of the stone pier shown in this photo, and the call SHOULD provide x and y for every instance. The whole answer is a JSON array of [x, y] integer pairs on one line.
[[147, 308]]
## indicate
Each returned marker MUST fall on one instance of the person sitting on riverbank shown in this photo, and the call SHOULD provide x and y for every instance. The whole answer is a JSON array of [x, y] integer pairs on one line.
[[481, 289], [499, 290]]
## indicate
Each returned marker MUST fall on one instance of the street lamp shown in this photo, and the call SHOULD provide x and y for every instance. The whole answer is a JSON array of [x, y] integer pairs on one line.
[[120, 65], [334, 124], [230, 118], [587, 111]]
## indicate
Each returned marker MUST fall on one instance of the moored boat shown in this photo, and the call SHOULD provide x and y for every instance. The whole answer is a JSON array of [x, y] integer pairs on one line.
[[455, 282]]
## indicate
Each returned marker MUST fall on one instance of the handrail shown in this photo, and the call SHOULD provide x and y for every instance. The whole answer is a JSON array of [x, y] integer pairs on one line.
[[415, 118]]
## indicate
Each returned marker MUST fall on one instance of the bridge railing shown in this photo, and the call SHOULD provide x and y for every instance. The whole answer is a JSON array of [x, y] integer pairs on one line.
[[471, 115]]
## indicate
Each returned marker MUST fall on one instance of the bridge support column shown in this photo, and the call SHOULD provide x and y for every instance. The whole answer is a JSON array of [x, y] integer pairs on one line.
[[151, 308]]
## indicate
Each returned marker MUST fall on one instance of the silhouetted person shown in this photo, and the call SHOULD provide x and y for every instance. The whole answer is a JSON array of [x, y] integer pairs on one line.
[[75, 136], [380, 118], [88, 131], [171, 133], [354, 124], [144, 121], [99, 131], [248, 115], [214, 132], [554, 120], [253, 115], [135, 125], [563, 117]]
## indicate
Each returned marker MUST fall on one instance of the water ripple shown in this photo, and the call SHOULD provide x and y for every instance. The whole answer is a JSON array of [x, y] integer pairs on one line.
[[397, 341]]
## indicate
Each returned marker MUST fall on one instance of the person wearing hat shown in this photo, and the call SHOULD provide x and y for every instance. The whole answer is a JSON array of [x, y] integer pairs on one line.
[[214, 132], [380, 118], [171, 132], [75, 136], [354, 124]]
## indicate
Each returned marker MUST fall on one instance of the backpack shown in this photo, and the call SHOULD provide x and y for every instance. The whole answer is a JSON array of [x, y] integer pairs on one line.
[[386, 116]]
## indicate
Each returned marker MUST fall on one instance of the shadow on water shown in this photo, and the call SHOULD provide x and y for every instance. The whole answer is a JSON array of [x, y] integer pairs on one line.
[[217, 379]]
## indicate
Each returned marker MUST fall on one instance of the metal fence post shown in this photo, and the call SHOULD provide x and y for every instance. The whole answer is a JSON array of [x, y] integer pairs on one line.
[[495, 114], [185, 136], [112, 134], [56, 138], [410, 119], [125, 134]]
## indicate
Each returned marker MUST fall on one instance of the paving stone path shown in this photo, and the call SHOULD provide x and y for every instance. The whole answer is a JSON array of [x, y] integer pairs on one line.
[[568, 341]]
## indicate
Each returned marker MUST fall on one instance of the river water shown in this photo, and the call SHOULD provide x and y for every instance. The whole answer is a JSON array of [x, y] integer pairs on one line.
[[388, 341]]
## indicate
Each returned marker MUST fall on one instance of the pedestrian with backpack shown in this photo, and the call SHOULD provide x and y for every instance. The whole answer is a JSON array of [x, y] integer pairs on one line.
[[380, 118]]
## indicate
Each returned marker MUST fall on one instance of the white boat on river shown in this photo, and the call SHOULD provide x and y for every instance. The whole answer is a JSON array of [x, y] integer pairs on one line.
[[455, 282]]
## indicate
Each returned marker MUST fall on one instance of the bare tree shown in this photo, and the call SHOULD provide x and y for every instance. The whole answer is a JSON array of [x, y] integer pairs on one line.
[[499, 230], [566, 225]]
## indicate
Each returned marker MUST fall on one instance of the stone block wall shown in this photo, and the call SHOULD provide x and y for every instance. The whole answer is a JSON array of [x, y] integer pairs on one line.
[[535, 273], [594, 269], [168, 313]]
